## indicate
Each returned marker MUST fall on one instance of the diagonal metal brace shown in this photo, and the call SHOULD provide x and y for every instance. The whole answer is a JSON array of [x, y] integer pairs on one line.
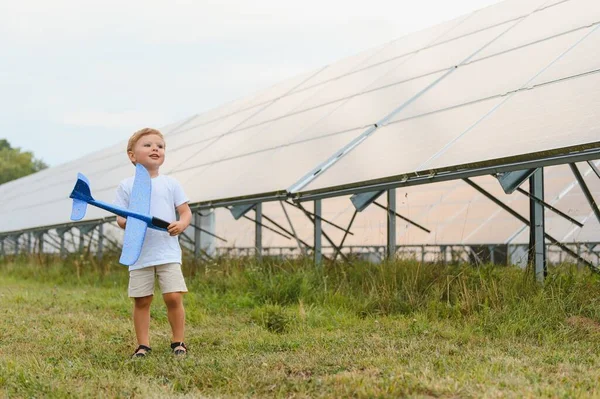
[[207, 232], [403, 218], [339, 249], [525, 221], [286, 230], [266, 227], [313, 215], [550, 207], [586, 190]]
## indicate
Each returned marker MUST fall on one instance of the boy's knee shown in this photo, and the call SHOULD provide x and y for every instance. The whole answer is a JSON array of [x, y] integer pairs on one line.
[[173, 299], [143, 302]]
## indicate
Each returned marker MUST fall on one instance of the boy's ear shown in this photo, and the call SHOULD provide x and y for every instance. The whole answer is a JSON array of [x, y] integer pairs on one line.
[[131, 156]]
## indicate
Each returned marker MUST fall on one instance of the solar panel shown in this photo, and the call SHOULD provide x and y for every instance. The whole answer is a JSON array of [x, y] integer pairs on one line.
[[493, 15], [455, 122], [546, 23]]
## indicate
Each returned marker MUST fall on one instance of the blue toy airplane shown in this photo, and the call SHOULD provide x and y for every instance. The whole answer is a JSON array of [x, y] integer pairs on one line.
[[138, 218]]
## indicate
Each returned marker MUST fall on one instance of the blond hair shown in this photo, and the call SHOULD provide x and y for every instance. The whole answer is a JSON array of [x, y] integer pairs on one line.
[[139, 134]]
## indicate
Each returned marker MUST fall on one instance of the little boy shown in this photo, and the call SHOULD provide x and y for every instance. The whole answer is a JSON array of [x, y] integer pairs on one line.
[[161, 253]]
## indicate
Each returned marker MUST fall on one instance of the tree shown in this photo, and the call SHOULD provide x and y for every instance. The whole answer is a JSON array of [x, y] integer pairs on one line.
[[15, 163]]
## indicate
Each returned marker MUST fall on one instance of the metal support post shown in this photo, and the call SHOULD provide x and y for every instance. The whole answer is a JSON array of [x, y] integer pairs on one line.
[[443, 255], [197, 236], [323, 234], [391, 223], [537, 246], [318, 233], [62, 244], [100, 241], [81, 240], [258, 231], [40, 237]]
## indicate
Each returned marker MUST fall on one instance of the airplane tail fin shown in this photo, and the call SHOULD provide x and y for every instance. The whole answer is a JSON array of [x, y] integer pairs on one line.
[[81, 195]]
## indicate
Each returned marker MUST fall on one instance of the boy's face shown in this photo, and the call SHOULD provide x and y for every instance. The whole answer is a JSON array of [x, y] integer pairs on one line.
[[149, 151]]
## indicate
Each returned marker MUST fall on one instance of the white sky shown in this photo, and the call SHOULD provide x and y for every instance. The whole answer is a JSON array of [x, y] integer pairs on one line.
[[78, 76]]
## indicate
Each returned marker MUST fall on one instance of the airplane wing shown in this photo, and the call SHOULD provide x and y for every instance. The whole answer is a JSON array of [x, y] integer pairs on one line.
[[135, 230]]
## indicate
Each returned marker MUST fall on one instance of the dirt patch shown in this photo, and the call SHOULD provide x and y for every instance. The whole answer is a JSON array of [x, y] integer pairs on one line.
[[584, 323]]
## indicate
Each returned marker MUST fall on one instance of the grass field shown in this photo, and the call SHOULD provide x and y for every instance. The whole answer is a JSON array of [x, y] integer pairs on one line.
[[288, 329]]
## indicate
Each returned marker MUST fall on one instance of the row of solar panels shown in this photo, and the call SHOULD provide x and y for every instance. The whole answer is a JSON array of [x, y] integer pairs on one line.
[[515, 81]]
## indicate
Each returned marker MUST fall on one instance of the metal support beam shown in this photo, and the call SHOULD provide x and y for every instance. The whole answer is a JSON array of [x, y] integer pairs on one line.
[[586, 190], [417, 225], [197, 235], [190, 241], [412, 179], [197, 227], [100, 253], [301, 244], [291, 233], [312, 216], [265, 226], [50, 240], [391, 223], [318, 233], [550, 207], [329, 240], [81, 239], [526, 222], [594, 168], [62, 244], [258, 230], [537, 245], [338, 250], [40, 237]]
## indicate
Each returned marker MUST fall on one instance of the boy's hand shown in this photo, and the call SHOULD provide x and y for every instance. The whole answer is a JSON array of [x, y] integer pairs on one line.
[[122, 222], [176, 228]]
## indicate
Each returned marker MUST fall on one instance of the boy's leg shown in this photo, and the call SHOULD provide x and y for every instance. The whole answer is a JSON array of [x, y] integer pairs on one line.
[[176, 315], [141, 289], [141, 320], [172, 284]]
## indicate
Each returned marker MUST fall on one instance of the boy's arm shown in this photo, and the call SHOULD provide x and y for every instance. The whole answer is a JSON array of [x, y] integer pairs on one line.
[[185, 218], [122, 200]]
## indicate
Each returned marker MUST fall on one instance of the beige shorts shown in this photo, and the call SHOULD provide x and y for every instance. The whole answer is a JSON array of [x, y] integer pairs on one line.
[[170, 279]]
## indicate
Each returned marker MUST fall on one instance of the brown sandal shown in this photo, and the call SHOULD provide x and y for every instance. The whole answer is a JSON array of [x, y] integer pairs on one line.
[[175, 345], [145, 348]]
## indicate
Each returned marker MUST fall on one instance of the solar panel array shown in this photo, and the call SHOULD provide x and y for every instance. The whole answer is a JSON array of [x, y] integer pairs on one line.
[[512, 81]]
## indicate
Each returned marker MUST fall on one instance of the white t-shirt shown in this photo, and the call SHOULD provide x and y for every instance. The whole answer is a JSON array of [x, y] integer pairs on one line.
[[159, 247]]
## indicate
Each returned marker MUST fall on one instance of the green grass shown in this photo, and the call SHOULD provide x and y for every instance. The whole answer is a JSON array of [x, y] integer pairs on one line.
[[288, 329]]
